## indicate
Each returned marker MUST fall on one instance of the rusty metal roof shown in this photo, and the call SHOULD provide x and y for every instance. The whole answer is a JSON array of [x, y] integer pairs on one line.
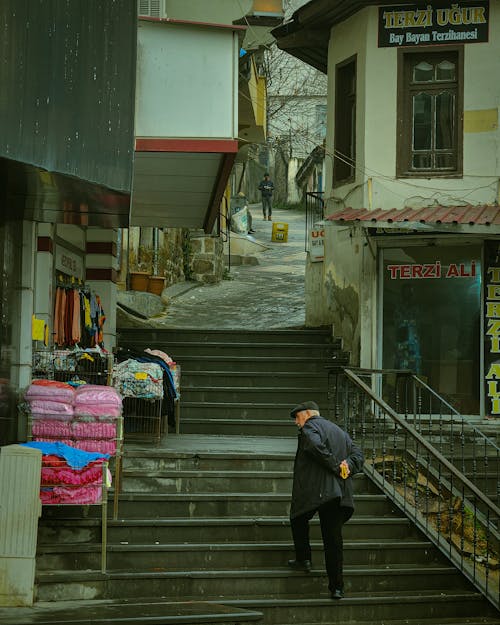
[[479, 219]]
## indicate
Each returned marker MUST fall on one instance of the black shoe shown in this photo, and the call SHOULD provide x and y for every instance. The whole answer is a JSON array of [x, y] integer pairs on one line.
[[251, 231], [338, 593], [300, 565]]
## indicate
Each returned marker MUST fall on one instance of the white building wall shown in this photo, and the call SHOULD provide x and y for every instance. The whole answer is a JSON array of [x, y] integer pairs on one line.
[[377, 116], [186, 81], [346, 40], [294, 193]]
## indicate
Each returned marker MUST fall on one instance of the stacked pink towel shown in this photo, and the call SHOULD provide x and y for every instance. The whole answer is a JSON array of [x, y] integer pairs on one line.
[[97, 401], [50, 398]]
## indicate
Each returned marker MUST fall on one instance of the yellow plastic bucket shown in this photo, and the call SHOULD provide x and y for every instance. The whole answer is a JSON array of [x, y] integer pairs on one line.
[[280, 232]]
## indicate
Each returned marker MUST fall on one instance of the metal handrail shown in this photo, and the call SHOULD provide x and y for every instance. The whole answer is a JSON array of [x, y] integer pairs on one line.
[[315, 205], [476, 430], [422, 441], [450, 509], [430, 390], [484, 449]]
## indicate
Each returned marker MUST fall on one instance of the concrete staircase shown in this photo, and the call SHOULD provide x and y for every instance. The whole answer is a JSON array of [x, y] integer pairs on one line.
[[202, 534], [211, 527], [244, 383]]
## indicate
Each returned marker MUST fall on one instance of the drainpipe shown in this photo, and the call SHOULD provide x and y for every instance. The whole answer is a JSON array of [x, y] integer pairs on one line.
[[155, 251]]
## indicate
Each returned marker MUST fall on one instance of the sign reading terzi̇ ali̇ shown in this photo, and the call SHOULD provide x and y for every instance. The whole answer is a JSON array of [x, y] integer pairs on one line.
[[433, 24]]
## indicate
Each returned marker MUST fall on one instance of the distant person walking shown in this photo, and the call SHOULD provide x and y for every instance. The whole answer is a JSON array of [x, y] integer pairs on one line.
[[266, 188]]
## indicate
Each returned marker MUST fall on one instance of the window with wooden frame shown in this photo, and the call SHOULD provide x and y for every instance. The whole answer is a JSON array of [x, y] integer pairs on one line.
[[344, 162], [430, 113]]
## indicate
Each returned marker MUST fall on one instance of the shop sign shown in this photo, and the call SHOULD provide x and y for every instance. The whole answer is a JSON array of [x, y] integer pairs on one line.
[[433, 24], [432, 271], [69, 263], [492, 330], [317, 243]]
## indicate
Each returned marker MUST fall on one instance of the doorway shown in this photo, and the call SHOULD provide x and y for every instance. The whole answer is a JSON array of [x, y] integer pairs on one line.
[[431, 318]]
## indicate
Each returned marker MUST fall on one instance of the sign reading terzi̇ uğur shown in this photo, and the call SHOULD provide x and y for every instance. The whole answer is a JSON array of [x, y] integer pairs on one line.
[[431, 24]]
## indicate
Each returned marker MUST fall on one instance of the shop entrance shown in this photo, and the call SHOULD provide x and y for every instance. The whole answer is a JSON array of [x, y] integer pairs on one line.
[[431, 318]]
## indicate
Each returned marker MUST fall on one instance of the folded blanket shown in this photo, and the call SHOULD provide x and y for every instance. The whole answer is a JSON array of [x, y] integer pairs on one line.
[[84, 495], [66, 475], [51, 428], [96, 394], [76, 458], [47, 406], [107, 447], [51, 390], [94, 430], [98, 410]]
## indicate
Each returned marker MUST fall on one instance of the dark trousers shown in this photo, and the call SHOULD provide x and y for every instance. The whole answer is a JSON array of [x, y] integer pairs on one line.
[[267, 205], [331, 521]]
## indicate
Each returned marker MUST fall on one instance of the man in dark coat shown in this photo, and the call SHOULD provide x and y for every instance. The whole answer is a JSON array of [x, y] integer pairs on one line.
[[325, 461]]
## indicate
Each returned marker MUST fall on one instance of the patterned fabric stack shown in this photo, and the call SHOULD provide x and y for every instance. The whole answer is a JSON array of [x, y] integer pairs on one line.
[[88, 417]]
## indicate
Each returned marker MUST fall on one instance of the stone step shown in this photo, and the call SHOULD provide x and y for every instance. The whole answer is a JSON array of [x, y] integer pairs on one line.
[[269, 364], [290, 395], [174, 505], [206, 481], [266, 583], [181, 530], [239, 426], [242, 481], [220, 480], [374, 608], [125, 612], [312, 380], [209, 555], [162, 338], [207, 418], [155, 459], [179, 350]]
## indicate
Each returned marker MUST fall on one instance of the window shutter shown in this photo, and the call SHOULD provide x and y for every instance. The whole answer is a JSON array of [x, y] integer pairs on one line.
[[151, 8]]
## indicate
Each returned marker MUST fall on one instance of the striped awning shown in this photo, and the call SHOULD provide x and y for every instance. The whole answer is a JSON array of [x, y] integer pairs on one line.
[[483, 219]]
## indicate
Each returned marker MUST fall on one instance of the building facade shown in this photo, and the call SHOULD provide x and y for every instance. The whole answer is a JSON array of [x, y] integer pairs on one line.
[[411, 194], [134, 121]]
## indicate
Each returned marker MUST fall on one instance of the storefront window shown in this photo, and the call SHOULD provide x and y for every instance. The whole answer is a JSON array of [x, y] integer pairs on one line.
[[431, 319]]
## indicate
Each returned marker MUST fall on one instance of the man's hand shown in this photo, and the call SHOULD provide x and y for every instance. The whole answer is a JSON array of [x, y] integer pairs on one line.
[[344, 470]]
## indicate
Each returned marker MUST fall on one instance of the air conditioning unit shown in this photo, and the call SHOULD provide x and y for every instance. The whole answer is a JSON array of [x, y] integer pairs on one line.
[[151, 8]]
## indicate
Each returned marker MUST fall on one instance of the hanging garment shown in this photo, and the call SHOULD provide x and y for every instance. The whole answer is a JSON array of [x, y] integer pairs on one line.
[[76, 333]]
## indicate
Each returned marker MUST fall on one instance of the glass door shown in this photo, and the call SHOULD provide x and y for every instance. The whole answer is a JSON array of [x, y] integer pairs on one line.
[[431, 318]]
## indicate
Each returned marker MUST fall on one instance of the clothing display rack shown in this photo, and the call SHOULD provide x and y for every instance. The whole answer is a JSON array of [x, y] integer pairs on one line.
[[78, 314], [72, 477], [86, 416], [148, 381], [91, 365]]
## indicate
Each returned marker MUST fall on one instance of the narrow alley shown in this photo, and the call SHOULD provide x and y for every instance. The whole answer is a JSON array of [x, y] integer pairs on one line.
[[269, 294]]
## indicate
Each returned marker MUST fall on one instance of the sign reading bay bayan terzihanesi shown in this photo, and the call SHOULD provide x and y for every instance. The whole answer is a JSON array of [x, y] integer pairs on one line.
[[433, 24]]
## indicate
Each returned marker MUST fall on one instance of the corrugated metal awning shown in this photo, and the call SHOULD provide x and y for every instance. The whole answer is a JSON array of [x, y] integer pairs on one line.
[[483, 219]]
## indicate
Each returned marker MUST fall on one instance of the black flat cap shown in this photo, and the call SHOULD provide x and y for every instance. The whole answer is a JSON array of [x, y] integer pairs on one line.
[[306, 405]]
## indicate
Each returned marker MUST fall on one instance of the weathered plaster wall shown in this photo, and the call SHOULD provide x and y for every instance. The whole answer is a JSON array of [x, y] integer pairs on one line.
[[340, 293]]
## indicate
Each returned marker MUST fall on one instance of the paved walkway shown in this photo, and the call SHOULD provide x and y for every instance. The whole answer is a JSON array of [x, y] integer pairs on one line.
[[263, 296]]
